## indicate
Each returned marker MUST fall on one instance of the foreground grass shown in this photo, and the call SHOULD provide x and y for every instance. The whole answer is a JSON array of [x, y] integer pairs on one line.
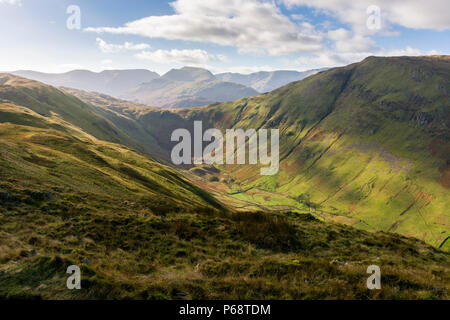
[[205, 254]]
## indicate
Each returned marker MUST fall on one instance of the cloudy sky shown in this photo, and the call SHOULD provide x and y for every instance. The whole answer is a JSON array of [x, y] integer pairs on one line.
[[221, 35]]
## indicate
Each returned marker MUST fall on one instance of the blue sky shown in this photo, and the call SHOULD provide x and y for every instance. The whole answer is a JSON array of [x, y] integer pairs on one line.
[[221, 35]]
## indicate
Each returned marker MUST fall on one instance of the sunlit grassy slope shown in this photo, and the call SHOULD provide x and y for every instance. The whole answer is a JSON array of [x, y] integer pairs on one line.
[[139, 229]]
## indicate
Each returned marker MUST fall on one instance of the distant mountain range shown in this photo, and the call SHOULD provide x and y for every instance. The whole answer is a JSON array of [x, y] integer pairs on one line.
[[185, 87], [266, 81], [111, 82]]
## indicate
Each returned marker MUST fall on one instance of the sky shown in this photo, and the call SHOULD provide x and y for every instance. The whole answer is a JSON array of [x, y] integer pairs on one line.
[[220, 35]]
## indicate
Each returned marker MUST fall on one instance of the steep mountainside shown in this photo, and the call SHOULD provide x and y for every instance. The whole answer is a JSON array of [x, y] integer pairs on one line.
[[187, 87], [264, 81], [112, 82]]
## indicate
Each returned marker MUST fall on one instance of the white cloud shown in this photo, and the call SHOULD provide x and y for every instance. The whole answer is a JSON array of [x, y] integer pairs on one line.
[[337, 59], [415, 14], [13, 2], [329, 59], [408, 51], [193, 57], [65, 67], [112, 48], [245, 69], [298, 17], [347, 41], [253, 26]]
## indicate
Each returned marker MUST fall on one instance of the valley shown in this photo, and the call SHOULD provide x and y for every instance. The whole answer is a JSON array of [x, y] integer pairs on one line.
[[353, 148]]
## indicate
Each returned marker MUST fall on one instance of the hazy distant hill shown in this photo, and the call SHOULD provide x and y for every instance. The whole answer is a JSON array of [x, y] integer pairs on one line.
[[266, 81], [112, 82], [187, 87]]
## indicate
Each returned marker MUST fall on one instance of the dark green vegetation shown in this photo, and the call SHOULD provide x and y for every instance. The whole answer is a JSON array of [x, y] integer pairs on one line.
[[67, 195]]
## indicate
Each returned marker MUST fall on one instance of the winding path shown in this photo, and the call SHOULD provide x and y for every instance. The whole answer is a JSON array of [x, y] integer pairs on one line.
[[443, 242]]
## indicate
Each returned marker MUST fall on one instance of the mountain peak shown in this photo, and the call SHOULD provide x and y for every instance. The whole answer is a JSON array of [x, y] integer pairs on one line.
[[189, 74], [18, 81]]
